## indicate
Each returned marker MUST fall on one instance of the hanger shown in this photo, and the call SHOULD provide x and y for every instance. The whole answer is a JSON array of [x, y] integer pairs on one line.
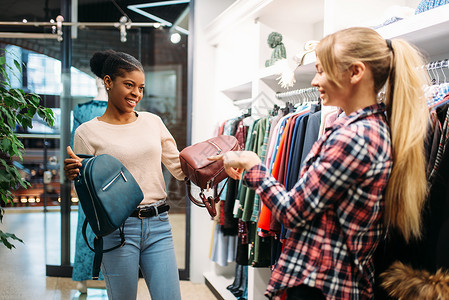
[[275, 110], [443, 64]]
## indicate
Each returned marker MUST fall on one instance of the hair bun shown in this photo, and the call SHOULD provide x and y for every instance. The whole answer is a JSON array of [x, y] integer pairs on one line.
[[97, 61]]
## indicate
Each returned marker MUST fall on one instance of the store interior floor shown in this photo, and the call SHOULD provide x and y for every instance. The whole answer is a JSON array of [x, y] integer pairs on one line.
[[22, 269]]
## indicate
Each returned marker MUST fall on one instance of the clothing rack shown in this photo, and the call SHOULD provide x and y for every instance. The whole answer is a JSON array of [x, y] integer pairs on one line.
[[437, 91], [256, 106], [299, 96], [123, 25], [433, 69]]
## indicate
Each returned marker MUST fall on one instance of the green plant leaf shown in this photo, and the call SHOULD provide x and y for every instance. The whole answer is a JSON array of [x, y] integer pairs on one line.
[[41, 113], [5, 145], [18, 66], [4, 236], [10, 117], [34, 98], [10, 101], [49, 117], [24, 120], [16, 108], [2, 211], [5, 76], [31, 111], [18, 95]]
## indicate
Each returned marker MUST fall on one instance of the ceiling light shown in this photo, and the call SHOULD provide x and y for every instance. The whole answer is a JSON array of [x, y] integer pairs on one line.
[[175, 38], [138, 9]]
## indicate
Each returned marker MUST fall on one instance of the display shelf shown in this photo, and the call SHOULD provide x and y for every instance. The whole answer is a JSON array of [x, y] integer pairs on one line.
[[428, 30], [238, 91], [218, 284], [303, 75], [243, 103]]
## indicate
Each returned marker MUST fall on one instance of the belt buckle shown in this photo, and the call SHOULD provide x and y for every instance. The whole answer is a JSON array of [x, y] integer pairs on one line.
[[139, 216]]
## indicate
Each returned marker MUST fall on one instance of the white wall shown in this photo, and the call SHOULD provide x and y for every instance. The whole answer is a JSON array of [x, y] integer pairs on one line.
[[205, 116]]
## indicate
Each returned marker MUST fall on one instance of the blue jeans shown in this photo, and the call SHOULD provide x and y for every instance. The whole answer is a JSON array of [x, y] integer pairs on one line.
[[149, 244]]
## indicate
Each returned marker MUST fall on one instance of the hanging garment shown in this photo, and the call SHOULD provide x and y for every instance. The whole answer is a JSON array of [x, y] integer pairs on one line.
[[278, 150], [312, 134], [258, 135], [230, 223], [426, 256], [84, 257], [223, 247], [425, 5], [256, 205], [296, 148], [239, 202]]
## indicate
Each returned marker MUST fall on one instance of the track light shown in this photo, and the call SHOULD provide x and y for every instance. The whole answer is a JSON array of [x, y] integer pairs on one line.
[[175, 38]]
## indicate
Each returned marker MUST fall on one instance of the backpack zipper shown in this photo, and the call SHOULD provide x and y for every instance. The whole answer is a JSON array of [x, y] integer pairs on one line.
[[113, 179]]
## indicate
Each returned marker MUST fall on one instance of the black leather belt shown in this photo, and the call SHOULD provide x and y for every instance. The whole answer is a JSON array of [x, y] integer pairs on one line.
[[151, 211]]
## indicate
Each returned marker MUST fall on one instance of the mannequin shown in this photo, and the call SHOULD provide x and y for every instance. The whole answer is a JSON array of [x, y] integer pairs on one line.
[[102, 94], [82, 268]]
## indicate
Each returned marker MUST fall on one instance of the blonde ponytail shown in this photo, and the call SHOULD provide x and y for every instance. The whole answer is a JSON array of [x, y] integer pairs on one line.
[[408, 116], [400, 64]]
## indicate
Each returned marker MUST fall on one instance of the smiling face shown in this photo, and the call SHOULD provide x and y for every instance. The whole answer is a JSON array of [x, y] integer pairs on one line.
[[330, 92], [125, 91]]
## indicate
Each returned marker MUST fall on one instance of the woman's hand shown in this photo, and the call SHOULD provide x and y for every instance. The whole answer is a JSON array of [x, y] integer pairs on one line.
[[72, 164], [235, 162]]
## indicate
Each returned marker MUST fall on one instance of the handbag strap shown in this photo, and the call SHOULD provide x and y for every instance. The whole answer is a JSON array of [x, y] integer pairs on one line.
[[189, 187], [209, 202], [98, 248]]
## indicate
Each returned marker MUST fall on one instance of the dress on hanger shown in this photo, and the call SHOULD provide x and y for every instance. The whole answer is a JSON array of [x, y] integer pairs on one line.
[[84, 257]]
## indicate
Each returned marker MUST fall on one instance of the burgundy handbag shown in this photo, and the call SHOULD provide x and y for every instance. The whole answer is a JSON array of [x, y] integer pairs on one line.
[[204, 173]]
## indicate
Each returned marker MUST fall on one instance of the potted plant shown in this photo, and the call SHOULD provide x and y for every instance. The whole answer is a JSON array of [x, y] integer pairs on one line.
[[17, 108]]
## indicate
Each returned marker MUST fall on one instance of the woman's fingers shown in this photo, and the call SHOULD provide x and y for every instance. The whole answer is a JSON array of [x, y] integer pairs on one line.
[[72, 164], [216, 157], [234, 173], [71, 153], [229, 162], [71, 168], [72, 173]]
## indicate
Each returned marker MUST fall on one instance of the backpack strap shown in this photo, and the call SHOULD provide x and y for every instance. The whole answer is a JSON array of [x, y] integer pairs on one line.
[[98, 257], [98, 248]]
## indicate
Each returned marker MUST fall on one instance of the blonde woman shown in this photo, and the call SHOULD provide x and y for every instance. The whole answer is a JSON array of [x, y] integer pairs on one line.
[[367, 170]]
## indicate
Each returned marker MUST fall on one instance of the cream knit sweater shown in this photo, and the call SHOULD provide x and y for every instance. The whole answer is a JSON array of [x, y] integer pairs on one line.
[[141, 146]]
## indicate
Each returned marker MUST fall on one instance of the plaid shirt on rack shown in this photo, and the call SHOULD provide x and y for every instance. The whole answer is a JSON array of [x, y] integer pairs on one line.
[[334, 211]]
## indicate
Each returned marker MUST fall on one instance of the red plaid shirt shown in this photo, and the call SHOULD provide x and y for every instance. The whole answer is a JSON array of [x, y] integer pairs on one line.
[[334, 211]]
